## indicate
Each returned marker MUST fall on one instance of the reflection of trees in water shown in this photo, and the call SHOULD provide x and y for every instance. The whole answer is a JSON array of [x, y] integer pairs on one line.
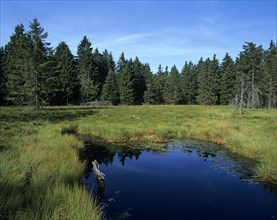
[[126, 153], [222, 159], [202, 153], [99, 153], [219, 158], [205, 155], [270, 188], [106, 155]]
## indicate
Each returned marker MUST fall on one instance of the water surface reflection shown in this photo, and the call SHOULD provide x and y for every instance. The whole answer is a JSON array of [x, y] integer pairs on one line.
[[185, 180]]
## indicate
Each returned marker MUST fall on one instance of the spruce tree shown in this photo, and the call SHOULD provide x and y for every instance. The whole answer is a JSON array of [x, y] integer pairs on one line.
[[146, 72], [153, 93], [52, 85], [109, 60], [87, 72], [228, 80], [172, 89], [249, 68], [215, 78], [240, 79], [110, 89], [3, 88], [101, 69], [269, 87], [149, 94], [163, 77], [203, 84], [139, 81], [126, 84], [154, 87], [121, 63], [19, 67], [41, 65], [189, 84], [209, 82], [64, 77]]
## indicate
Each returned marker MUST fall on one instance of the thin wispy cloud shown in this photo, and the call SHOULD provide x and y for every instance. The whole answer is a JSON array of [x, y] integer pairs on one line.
[[167, 42], [132, 38], [158, 32]]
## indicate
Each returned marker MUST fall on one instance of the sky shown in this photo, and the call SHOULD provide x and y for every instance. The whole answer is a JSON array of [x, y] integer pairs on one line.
[[158, 32]]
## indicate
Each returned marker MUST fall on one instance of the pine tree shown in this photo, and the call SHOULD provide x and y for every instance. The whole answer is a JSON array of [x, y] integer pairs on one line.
[[126, 84], [110, 89], [87, 72], [228, 80]]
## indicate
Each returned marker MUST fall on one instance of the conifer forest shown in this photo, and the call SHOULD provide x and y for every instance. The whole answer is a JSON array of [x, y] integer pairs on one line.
[[34, 73], [89, 133]]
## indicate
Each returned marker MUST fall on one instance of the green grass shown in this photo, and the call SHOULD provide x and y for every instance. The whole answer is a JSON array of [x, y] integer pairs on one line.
[[252, 134], [40, 169]]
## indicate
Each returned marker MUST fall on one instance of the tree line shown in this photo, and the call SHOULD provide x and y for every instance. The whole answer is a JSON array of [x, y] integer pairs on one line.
[[33, 73]]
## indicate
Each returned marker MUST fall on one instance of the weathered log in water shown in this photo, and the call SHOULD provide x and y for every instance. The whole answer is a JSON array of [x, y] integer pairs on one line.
[[100, 177]]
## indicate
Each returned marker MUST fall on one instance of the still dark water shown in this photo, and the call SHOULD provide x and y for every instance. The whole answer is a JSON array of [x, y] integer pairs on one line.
[[187, 180]]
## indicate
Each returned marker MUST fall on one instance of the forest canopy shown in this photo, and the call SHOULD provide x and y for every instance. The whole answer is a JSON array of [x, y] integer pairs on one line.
[[33, 73]]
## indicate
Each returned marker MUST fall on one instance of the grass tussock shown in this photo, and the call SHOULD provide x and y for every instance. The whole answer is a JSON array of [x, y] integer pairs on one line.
[[40, 174], [69, 129], [40, 169], [252, 135]]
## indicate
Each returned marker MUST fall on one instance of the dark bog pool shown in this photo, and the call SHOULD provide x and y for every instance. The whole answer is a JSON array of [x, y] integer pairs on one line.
[[186, 180]]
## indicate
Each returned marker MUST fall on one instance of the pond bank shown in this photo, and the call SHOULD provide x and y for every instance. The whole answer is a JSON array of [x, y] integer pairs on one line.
[[252, 135], [40, 168], [204, 179]]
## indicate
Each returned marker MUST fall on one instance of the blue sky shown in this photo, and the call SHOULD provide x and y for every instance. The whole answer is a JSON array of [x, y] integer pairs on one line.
[[158, 32]]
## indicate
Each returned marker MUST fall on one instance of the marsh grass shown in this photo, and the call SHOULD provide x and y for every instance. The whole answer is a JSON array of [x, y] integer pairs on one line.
[[69, 129], [252, 135], [40, 169]]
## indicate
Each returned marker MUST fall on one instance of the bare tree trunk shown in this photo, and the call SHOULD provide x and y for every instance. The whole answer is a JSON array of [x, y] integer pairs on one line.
[[252, 90], [270, 93], [36, 90], [241, 96], [67, 92]]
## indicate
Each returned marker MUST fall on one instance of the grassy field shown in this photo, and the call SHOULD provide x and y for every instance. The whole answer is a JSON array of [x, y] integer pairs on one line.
[[40, 167]]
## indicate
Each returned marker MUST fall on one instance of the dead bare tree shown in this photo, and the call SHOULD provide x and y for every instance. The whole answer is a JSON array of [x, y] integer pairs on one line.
[[241, 95]]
